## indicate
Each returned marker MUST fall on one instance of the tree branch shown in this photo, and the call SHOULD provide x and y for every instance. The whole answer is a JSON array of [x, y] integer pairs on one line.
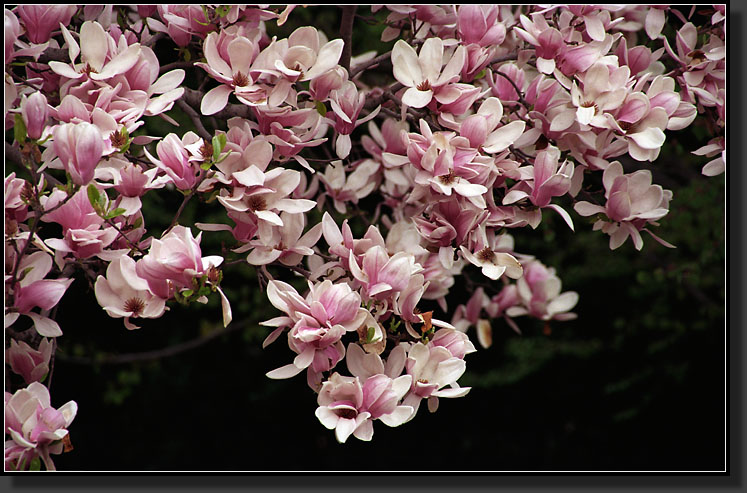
[[346, 33], [374, 61], [155, 354]]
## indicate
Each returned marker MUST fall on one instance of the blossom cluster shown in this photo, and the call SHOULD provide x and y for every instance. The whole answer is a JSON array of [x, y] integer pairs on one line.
[[491, 116]]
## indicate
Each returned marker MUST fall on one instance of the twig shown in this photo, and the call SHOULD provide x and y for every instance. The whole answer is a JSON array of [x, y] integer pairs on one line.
[[374, 61], [346, 33], [192, 192], [175, 65], [523, 101], [153, 355], [201, 131]]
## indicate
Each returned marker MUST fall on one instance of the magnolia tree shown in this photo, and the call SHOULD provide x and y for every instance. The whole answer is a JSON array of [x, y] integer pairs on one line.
[[479, 120]]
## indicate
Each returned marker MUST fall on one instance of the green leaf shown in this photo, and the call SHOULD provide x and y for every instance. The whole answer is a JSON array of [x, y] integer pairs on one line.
[[93, 196], [35, 464], [114, 213], [321, 108], [187, 293], [370, 334], [219, 142], [480, 75], [222, 10], [19, 129], [206, 165]]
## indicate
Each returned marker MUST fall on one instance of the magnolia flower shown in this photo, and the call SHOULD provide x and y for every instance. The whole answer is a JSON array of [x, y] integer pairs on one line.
[[80, 148], [96, 46], [31, 364], [358, 184], [36, 429], [539, 290], [33, 291], [340, 408], [81, 226], [382, 275], [35, 112], [284, 244], [41, 20], [432, 368], [632, 202], [300, 57], [175, 160], [231, 67], [122, 293], [422, 74], [173, 261]]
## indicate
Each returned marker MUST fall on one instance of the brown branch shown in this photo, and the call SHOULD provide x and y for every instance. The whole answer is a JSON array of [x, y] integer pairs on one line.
[[155, 354], [346, 33], [374, 61], [175, 65], [195, 117]]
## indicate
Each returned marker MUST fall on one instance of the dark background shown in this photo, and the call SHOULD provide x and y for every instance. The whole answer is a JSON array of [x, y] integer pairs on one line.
[[636, 383]]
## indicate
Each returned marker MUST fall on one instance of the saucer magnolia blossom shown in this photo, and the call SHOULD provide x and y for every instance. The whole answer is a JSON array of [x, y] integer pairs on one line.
[[31, 364], [233, 73], [36, 429], [101, 56], [422, 73], [33, 291], [122, 293]]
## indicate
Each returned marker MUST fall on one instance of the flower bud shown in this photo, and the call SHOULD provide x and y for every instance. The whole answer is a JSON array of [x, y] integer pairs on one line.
[[35, 111], [41, 20], [80, 147]]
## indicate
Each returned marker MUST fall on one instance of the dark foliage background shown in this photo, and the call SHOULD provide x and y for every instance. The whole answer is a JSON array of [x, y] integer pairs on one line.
[[637, 382]]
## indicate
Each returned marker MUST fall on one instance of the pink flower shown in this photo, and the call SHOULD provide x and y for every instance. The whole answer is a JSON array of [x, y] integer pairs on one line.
[[182, 22], [122, 293], [36, 429], [35, 112], [284, 244], [340, 408], [422, 74], [80, 148], [176, 161], [632, 202], [432, 368], [300, 57], [101, 57], [381, 275], [478, 24], [81, 226], [173, 261], [353, 187], [33, 291], [15, 208], [229, 60], [41, 20], [31, 364], [347, 104], [539, 290]]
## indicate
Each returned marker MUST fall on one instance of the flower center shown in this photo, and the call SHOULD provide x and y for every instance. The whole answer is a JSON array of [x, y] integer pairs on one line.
[[117, 139], [88, 69], [134, 305], [206, 150], [240, 80], [425, 86], [257, 203], [626, 126], [346, 413], [486, 255], [590, 104], [448, 178]]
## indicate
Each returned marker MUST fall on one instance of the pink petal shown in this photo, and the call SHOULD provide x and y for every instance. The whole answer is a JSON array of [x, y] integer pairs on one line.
[[215, 100]]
